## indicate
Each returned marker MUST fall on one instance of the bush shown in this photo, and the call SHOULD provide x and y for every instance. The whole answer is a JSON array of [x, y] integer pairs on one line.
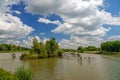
[[24, 56], [29, 56], [23, 74], [43, 55], [4, 75], [60, 53]]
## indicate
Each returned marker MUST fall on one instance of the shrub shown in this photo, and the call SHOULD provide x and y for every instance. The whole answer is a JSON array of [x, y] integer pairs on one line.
[[60, 53], [24, 56], [43, 55], [23, 73]]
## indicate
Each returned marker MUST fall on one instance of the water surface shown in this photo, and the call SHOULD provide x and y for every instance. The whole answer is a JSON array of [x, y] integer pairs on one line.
[[70, 67]]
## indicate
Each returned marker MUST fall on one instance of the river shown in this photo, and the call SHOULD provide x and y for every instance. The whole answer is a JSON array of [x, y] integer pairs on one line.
[[70, 67]]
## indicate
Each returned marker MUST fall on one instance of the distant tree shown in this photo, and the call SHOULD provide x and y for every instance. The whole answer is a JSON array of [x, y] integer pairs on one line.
[[11, 47], [110, 46], [91, 48], [80, 49]]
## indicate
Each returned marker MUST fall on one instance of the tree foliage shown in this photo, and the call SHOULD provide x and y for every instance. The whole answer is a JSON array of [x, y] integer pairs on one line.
[[111, 46], [38, 47], [49, 49], [80, 49], [91, 48], [11, 47], [52, 47]]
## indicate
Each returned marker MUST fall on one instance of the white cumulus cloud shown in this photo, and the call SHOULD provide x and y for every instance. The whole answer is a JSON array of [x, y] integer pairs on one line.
[[47, 21], [12, 29]]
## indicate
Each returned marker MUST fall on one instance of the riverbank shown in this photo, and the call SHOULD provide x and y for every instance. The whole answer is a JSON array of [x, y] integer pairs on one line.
[[112, 54], [109, 54], [117, 55]]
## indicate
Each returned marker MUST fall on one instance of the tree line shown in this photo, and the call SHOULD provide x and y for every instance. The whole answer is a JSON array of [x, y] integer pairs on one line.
[[81, 49], [111, 46], [11, 47], [89, 48]]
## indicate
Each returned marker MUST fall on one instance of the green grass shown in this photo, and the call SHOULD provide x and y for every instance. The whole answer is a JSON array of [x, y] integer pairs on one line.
[[23, 73], [91, 52], [5, 75]]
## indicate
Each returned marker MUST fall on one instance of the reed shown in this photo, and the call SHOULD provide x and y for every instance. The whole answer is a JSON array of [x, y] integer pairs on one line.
[[23, 73]]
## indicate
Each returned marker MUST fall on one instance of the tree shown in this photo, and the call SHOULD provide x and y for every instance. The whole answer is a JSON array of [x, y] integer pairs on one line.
[[35, 47], [42, 49], [52, 47], [11, 47], [38, 47], [80, 49], [91, 48], [110, 46]]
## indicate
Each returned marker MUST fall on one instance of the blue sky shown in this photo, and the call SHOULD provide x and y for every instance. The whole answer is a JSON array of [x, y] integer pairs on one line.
[[72, 22]]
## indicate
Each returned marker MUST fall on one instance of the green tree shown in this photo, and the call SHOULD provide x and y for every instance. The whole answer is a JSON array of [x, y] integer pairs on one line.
[[91, 48], [110, 46], [35, 47], [80, 49], [11, 47], [52, 47], [38, 48]]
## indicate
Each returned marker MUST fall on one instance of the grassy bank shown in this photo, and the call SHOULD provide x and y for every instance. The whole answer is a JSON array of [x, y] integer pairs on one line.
[[112, 54], [5, 75], [21, 73], [91, 52]]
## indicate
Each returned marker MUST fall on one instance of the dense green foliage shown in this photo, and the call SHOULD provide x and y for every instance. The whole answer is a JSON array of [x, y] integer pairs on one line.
[[90, 48], [23, 73], [11, 47], [4, 75], [60, 52], [52, 47], [80, 49], [40, 50], [29, 56], [69, 50], [38, 47], [111, 46]]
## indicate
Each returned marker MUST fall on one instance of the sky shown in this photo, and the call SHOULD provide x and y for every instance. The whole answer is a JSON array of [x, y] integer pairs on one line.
[[72, 22]]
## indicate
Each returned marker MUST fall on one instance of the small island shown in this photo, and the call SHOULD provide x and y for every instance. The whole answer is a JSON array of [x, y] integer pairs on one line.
[[40, 50]]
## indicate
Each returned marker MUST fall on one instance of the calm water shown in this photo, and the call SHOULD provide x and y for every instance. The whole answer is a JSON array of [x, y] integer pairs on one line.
[[70, 67]]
